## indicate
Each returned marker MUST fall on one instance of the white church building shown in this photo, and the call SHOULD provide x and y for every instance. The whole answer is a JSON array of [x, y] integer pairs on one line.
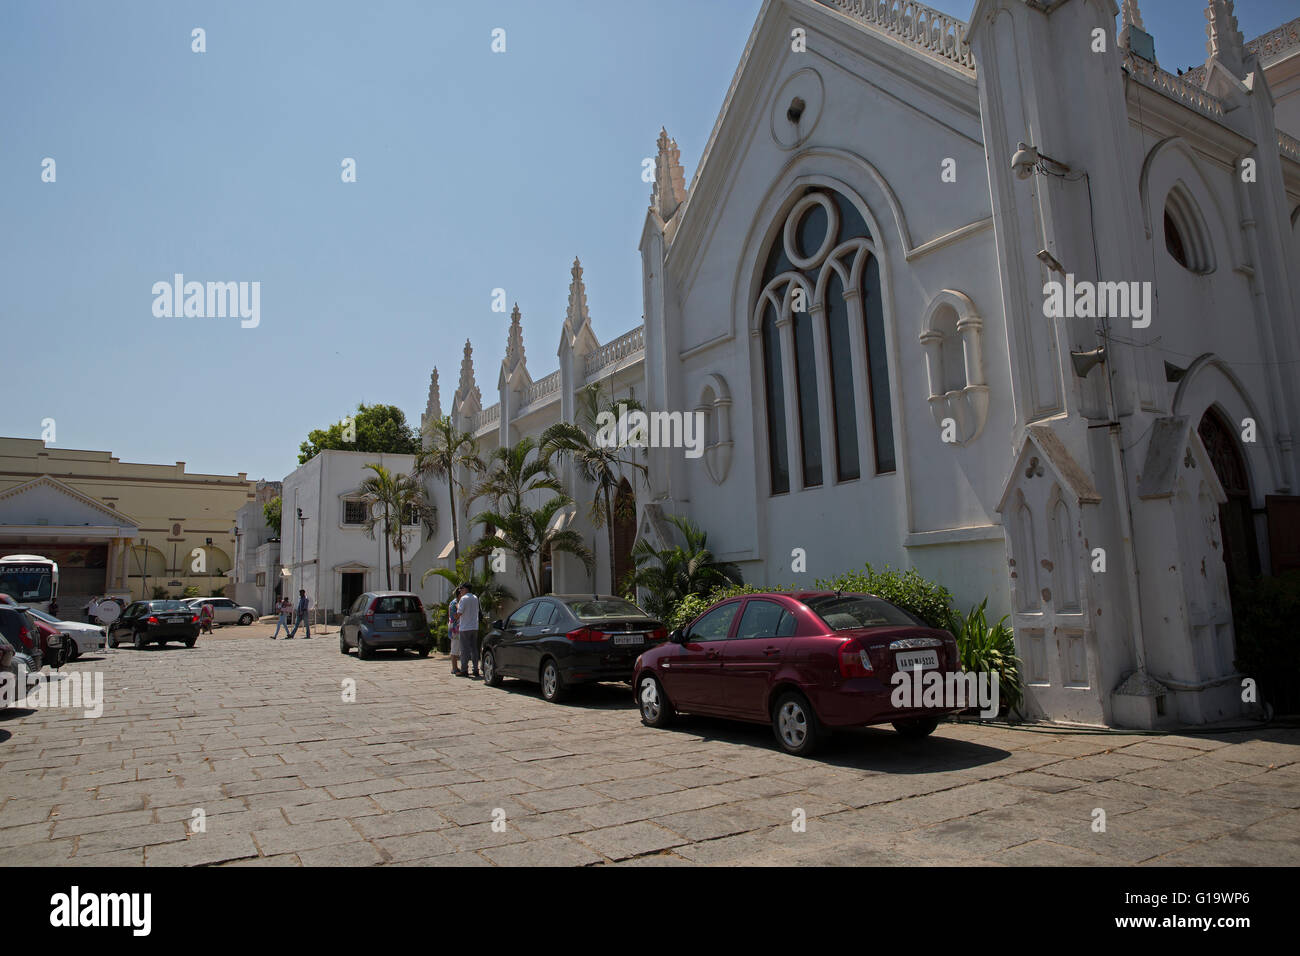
[[1004, 301]]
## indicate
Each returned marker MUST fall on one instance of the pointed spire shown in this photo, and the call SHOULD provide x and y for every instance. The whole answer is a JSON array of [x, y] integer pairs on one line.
[[1223, 40], [576, 316], [433, 410], [670, 180], [514, 342], [467, 387], [1132, 15]]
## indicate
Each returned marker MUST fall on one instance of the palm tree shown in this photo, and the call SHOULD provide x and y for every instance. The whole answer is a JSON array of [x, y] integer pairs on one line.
[[518, 472], [678, 571], [403, 502], [450, 451], [491, 595], [602, 466]]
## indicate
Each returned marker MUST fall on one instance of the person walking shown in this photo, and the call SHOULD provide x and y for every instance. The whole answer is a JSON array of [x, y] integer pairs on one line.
[[206, 615], [453, 629], [303, 605], [468, 607], [282, 617]]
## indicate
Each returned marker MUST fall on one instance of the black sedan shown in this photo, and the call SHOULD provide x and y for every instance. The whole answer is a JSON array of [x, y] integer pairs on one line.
[[564, 639], [155, 622]]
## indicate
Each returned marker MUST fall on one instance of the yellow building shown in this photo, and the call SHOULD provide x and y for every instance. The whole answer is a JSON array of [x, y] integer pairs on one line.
[[116, 527]]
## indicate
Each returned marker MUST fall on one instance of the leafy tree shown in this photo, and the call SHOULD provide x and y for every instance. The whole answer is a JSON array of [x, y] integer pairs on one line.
[[599, 465], [379, 428], [450, 452], [674, 573], [271, 511]]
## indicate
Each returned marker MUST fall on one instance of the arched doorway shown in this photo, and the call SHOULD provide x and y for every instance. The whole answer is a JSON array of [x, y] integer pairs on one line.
[[624, 533], [1236, 515]]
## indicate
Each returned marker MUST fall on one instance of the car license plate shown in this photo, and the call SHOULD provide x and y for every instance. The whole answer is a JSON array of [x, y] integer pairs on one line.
[[914, 659], [629, 638], [398, 625], [175, 620]]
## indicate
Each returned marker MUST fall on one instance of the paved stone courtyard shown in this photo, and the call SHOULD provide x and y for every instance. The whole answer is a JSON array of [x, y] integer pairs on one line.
[[257, 736]]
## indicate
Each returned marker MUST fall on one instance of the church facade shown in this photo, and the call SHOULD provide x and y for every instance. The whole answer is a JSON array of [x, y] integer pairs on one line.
[[1004, 301]]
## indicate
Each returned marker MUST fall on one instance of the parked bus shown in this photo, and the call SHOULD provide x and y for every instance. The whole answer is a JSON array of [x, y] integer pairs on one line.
[[30, 579]]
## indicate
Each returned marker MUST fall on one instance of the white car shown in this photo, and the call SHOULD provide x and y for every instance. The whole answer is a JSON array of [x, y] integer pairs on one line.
[[80, 637], [227, 611]]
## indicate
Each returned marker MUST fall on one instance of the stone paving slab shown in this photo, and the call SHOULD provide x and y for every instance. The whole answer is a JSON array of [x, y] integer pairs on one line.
[[424, 769]]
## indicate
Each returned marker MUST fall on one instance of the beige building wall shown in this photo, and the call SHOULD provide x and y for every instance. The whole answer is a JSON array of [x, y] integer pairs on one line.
[[118, 527]]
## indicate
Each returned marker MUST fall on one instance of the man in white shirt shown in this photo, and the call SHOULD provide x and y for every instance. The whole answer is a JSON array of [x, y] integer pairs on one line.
[[467, 607]]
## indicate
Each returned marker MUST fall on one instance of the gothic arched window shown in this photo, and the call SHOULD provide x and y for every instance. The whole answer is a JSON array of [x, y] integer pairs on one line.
[[820, 319]]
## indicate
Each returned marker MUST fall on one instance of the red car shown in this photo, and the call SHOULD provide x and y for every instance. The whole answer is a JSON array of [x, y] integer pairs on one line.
[[807, 662]]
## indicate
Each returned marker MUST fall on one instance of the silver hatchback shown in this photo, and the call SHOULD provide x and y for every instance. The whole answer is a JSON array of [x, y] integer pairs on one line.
[[385, 620]]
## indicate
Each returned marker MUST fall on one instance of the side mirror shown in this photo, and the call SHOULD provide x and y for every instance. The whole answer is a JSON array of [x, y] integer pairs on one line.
[[678, 636], [498, 625]]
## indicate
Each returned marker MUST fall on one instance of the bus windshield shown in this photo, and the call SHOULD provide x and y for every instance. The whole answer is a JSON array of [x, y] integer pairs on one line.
[[26, 582]]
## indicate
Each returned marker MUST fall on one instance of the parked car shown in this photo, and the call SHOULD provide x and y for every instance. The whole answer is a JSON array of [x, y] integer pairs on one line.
[[805, 662], [77, 637], [155, 622], [393, 620], [561, 640], [19, 628], [10, 690], [225, 611], [53, 650]]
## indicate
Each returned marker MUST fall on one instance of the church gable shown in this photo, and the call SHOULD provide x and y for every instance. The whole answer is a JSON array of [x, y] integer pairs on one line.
[[47, 501]]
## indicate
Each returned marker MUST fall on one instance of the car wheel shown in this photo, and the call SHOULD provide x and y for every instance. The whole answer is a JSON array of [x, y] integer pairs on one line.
[[491, 676], [363, 649], [553, 689], [73, 650], [656, 711], [423, 650], [189, 641], [246, 620], [795, 724], [917, 726], [343, 645], [138, 640]]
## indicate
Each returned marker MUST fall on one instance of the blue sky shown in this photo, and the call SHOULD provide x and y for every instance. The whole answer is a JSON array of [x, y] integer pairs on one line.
[[475, 171]]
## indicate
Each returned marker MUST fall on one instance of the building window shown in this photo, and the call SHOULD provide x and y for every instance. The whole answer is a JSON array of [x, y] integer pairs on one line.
[[821, 298], [1186, 239], [355, 511], [261, 579], [774, 388]]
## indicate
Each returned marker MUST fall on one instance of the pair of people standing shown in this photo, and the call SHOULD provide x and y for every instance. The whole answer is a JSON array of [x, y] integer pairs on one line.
[[462, 621], [283, 614]]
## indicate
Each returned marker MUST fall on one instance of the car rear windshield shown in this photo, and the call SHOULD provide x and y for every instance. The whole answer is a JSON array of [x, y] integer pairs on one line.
[[167, 606], [397, 604], [597, 608], [848, 611]]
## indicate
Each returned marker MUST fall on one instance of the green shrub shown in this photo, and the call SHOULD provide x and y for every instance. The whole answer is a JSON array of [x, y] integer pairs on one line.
[[159, 592], [989, 649], [929, 601], [438, 627], [1266, 613], [190, 591]]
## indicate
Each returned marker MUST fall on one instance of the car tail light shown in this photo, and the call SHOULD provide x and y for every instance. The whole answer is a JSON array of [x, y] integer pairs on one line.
[[659, 634], [25, 636], [370, 612], [194, 619], [587, 635], [419, 605], [153, 620], [854, 661]]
